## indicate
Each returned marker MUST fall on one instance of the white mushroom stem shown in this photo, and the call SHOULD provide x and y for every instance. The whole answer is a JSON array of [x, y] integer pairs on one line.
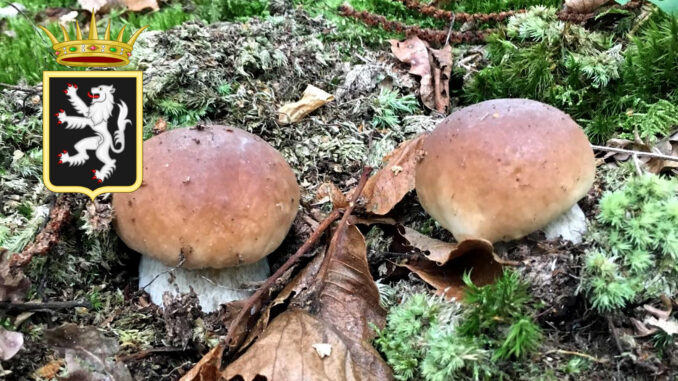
[[570, 226], [213, 287]]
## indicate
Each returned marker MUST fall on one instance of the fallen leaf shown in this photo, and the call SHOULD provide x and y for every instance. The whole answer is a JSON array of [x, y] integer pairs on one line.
[[49, 370], [345, 301], [208, 368], [13, 282], [434, 66], [439, 251], [447, 279], [667, 146], [312, 99], [441, 68], [140, 5], [160, 126], [10, 343], [104, 6], [584, 6], [388, 186], [88, 352]]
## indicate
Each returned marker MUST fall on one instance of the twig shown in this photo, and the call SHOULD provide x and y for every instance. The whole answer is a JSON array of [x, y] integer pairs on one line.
[[584, 355], [49, 235], [632, 152], [148, 352], [32, 89], [429, 10], [430, 35], [250, 305], [40, 306]]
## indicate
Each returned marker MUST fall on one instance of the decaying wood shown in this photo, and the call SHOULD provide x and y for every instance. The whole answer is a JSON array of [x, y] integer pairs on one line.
[[48, 237]]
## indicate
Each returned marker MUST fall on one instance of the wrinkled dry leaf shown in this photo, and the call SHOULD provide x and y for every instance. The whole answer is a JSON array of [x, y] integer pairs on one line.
[[439, 251], [432, 65], [345, 301], [584, 6], [391, 183], [447, 279], [668, 146], [104, 6], [13, 283], [89, 354], [49, 370], [207, 369], [285, 352], [10, 343], [441, 69], [312, 99], [160, 126]]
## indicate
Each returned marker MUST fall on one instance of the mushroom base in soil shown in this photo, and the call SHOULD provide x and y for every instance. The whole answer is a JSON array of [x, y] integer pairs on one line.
[[212, 286], [214, 202]]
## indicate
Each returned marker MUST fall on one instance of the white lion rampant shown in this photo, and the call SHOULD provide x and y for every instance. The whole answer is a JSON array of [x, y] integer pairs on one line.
[[96, 117]]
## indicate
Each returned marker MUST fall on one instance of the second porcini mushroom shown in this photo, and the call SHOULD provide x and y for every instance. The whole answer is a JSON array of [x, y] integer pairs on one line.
[[214, 202], [501, 169]]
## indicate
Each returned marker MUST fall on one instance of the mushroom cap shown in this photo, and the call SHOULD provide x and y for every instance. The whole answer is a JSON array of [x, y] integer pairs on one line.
[[218, 196], [503, 168]]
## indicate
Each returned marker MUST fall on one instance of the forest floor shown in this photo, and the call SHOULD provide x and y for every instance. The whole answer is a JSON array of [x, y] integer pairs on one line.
[[239, 73]]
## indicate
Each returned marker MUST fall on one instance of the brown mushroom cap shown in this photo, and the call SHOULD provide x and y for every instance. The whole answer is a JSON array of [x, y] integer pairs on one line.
[[504, 168], [219, 196]]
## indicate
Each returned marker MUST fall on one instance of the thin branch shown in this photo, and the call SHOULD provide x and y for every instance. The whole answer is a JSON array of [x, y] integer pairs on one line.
[[29, 89], [148, 352], [43, 306], [250, 307], [584, 355], [638, 153]]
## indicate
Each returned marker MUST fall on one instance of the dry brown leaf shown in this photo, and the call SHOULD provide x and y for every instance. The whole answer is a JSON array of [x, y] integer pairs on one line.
[[584, 6], [104, 6], [49, 370], [439, 251], [160, 126], [312, 99], [391, 183], [208, 368], [668, 146], [345, 301], [140, 5], [434, 66], [447, 279], [441, 68]]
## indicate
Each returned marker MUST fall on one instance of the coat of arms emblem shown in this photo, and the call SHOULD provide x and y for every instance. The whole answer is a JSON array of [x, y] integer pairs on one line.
[[92, 120]]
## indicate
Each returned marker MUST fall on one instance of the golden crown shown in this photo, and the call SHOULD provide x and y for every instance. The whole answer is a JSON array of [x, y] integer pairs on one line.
[[92, 51]]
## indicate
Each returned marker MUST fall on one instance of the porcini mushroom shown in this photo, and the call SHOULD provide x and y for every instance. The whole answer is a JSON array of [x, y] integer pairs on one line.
[[215, 201], [501, 169]]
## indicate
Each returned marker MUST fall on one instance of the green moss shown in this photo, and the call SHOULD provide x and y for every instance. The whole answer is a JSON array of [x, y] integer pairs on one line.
[[635, 254], [587, 74], [428, 338], [390, 106]]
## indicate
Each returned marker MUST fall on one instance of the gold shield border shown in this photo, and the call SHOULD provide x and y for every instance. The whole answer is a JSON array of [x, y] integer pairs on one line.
[[46, 75]]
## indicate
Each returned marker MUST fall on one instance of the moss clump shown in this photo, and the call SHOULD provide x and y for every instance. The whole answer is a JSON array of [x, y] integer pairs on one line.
[[432, 339], [635, 245], [588, 74]]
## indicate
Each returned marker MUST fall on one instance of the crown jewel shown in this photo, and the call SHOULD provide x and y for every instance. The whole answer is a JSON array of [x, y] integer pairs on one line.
[[92, 51]]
